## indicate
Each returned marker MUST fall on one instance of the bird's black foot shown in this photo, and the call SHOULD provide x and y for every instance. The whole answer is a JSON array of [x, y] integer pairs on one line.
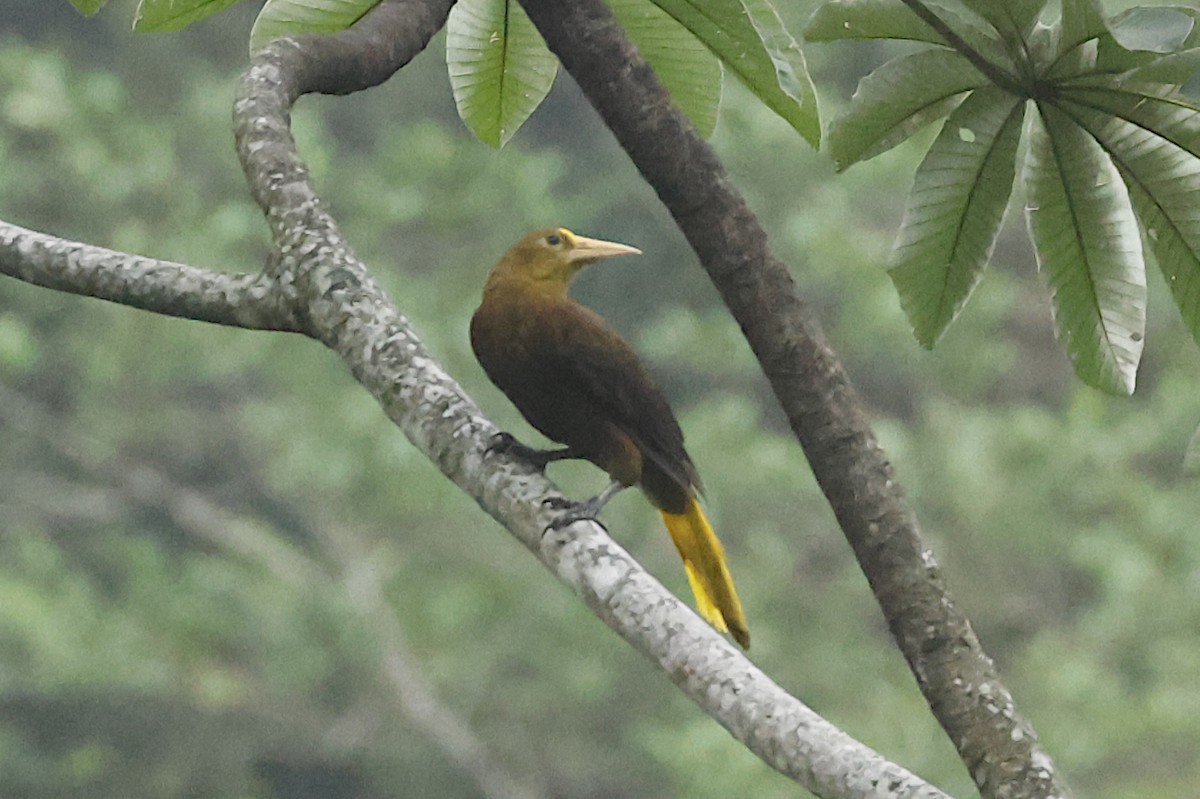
[[507, 444], [573, 511], [578, 511]]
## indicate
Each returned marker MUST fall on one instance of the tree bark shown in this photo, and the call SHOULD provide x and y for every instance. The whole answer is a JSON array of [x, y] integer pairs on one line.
[[250, 301], [957, 678]]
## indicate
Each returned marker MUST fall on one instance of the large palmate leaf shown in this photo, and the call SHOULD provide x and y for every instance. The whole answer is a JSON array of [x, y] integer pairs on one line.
[[1088, 247], [955, 209], [500, 69], [291, 17], [1164, 185], [173, 15], [689, 70], [896, 100], [752, 42], [1116, 142]]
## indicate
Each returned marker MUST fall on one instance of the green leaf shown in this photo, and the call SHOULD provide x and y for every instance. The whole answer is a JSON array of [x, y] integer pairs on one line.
[[1153, 30], [791, 71], [896, 100], [1072, 46], [1156, 108], [1087, 245], [88, 7], [173, 15], [1081, 22], [1174, 69], [752, 42], [955, 209], [1164, 184], [871, 19], [500, 69], [291, 17], [1140, 37], [891, 19], [689, 70], [1012, 18]]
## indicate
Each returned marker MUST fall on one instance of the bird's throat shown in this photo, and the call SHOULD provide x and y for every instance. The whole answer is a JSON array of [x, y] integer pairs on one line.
[[523, 289]]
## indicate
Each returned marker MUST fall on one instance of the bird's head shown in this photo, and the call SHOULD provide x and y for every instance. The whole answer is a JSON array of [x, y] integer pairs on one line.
[[550, 258]]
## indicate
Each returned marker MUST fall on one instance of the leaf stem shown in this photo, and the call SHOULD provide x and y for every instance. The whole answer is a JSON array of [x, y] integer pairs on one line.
[[995, 74]]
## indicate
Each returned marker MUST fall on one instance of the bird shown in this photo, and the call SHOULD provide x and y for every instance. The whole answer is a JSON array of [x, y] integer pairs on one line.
[[579, 383]]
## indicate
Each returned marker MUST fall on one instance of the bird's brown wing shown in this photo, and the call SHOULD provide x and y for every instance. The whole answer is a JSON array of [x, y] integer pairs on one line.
[[590, 359]]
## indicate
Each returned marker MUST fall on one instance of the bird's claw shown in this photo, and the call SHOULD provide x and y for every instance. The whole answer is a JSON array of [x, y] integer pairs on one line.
[[507, 444], [502, 443], [571, 512]]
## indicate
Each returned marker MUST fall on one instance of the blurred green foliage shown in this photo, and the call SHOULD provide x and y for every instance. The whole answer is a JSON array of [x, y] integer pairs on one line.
[[215, 546]]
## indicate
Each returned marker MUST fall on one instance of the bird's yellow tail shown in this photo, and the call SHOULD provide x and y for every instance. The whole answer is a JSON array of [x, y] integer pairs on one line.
[[704, 559]]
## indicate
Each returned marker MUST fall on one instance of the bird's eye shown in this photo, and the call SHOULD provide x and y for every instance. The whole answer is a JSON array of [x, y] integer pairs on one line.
[[554, 240]]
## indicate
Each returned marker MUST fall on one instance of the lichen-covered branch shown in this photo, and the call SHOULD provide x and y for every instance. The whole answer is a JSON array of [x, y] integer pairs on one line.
[[387, 37], [250, 301], [958, 679]]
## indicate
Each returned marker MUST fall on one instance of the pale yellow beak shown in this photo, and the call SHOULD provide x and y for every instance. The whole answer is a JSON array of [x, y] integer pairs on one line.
[[586, 251]]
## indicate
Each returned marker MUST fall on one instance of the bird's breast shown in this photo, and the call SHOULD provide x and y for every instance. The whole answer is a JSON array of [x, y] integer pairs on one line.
[[510, 336]]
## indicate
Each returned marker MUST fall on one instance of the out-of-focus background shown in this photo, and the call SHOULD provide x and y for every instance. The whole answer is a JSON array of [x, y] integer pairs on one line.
[[224, 574]]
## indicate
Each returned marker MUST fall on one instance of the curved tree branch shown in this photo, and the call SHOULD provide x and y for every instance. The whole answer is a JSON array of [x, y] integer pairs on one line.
[[958, 679], [251, 301]]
